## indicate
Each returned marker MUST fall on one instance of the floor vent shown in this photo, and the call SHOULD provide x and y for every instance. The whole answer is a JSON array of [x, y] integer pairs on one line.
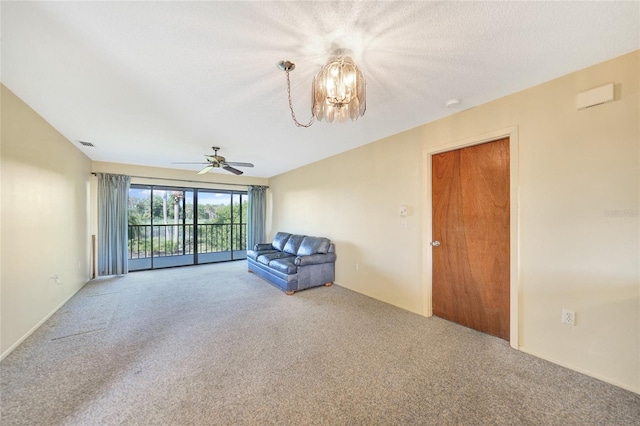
[[87, 144]]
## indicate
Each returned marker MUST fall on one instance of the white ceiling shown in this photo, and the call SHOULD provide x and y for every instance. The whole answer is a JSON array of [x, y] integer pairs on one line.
[[152, 83]]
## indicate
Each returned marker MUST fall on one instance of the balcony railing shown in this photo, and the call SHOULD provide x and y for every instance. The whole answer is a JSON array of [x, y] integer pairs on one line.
[[177, 240]]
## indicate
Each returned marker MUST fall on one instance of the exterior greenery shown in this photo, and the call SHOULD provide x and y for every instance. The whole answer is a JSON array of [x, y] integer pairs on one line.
[[165, 225]]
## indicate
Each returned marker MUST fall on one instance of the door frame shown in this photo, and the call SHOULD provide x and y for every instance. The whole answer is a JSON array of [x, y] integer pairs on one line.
[[514, 221]]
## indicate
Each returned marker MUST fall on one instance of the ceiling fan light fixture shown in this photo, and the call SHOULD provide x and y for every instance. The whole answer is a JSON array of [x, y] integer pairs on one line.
[[216, 161], [338, 91]]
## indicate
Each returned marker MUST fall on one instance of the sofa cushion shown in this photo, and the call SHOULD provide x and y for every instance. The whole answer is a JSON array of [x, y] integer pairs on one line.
[[293, 244], [286, 265], [313, 245], [254, 254], [268, 257], [280, 240]]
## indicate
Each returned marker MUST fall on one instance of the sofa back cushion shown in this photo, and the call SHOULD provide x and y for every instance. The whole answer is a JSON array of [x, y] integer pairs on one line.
[[293, 244], [313, 245], [280, 240]]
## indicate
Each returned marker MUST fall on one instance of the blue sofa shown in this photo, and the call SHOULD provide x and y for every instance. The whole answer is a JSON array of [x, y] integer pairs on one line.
[[294, 262]]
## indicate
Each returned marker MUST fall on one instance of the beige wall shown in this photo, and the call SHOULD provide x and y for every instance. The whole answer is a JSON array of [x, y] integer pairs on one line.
[[44, 222], [574, 167]]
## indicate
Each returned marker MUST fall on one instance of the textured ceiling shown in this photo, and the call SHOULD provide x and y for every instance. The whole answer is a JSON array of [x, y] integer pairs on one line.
[[152, 83]]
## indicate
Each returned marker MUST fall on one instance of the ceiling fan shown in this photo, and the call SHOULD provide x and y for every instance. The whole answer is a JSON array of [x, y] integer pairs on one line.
[[216, 161]]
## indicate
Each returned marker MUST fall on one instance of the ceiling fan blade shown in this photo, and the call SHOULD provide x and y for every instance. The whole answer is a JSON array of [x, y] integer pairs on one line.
[[231, 169], [188, 162], [237, 164], [205, 170]]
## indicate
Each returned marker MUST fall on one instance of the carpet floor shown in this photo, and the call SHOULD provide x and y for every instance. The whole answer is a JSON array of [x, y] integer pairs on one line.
[[215, 345]]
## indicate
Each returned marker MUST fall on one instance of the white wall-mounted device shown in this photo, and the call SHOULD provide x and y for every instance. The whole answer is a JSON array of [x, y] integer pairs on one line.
[[596, 96]]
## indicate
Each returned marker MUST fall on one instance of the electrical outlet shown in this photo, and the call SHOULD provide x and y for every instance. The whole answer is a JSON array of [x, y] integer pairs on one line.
[[568, 317]]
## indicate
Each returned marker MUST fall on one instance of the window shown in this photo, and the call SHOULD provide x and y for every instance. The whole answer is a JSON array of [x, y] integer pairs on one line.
[[177, 226]]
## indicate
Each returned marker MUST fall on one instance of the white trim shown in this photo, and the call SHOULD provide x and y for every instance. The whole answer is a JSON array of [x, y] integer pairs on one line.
[[42, 321], [512, 134], [582, 370]]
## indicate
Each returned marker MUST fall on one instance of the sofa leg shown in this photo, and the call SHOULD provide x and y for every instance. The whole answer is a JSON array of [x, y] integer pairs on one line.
[[249, 270], [328, 284], [289, 293]]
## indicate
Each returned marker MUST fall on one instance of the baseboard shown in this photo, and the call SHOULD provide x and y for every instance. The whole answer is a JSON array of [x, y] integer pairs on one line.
[[582, 371], [42, 321]]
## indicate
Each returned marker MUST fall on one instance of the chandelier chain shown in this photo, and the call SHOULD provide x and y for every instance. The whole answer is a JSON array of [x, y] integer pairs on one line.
[[293, 114]]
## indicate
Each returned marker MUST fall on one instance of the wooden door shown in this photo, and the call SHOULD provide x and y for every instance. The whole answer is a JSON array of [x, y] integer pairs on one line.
[[470, 192]]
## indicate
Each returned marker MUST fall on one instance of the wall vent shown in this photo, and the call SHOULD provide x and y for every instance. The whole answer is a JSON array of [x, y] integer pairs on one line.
[[594, 97], [87, 144]]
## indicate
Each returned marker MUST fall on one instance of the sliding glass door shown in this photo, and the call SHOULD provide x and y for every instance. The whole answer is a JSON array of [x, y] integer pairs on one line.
[[222, 223], [177, 226]]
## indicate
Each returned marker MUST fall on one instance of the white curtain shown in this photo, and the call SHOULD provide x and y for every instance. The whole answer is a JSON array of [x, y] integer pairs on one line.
[[257, 215], [113, 195]]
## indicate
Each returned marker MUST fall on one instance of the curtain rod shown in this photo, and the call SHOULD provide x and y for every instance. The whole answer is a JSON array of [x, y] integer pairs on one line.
[[189, 181]]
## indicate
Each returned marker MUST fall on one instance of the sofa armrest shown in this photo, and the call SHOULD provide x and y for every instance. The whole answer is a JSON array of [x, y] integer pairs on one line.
[[263, 246], [315, 259]]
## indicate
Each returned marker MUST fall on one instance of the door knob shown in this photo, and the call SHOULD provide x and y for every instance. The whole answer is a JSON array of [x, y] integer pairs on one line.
[[435, 243]]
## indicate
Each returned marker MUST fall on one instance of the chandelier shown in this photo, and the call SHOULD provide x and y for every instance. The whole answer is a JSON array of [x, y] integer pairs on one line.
[[338, 91]]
